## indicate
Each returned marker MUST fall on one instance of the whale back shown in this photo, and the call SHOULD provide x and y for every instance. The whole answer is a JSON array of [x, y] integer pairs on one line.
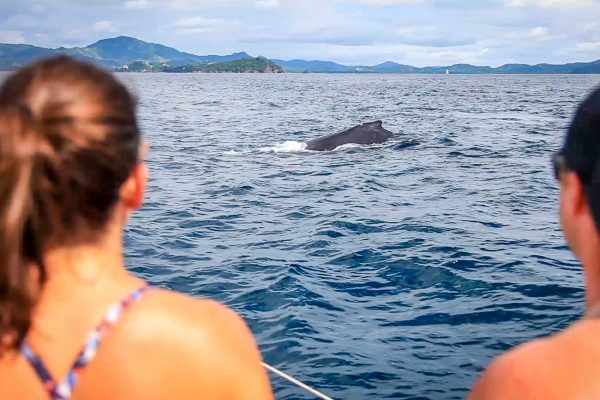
[[367, 133]]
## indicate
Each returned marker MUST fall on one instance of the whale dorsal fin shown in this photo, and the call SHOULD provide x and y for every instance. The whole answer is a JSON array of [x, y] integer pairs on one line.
[[374, 123]]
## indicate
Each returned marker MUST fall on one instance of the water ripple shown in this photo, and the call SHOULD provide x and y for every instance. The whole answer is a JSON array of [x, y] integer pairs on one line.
[[394, 271]]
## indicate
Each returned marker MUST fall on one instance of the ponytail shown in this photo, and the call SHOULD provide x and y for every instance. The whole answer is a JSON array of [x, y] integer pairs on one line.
[[18, 247]]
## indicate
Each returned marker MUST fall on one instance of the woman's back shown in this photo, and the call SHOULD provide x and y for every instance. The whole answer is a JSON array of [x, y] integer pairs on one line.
[[70, 175], [155, 351]]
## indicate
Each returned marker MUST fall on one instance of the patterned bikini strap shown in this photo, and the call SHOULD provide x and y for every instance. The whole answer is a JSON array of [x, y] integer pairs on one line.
[[62, 390]]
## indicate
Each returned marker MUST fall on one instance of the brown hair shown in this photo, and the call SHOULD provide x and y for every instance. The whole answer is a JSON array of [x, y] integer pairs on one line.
[[68, 141]]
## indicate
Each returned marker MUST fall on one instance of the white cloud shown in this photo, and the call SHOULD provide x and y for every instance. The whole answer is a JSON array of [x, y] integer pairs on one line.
[[588, 46], [548, 3], [432, 36], [388, 2], [589, 27], [541, 34], [200, 4], [538, 34], [105, 26], [42, 39], [406, 54], [12, 37], [137, 4], [204, 25], [267, 3]]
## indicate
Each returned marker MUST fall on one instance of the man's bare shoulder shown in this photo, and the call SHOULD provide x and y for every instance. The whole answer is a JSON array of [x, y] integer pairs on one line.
[[545, 368]]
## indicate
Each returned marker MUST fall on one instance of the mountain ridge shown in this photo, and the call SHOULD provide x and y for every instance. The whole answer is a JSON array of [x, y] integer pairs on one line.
[[314, 66], [121, 52], [124, 53]]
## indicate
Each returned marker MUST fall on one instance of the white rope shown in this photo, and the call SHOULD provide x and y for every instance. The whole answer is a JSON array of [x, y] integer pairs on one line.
[[296, 382]]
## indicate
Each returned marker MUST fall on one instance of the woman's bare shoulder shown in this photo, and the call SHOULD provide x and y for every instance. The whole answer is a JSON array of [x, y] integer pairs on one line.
[[199, 320], [206, 344]]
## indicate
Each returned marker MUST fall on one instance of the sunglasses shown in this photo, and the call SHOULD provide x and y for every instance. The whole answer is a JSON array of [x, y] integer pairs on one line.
[[559, 164]]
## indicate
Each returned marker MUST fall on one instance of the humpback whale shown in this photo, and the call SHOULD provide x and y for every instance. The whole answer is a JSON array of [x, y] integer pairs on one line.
[[367, 133]]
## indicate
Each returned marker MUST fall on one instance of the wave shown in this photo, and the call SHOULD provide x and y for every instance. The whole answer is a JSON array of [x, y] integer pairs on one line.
[[292, 146], [289, 146]]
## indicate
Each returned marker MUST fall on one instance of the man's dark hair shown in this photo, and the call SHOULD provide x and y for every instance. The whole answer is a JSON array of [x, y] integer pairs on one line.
[[581, 150]]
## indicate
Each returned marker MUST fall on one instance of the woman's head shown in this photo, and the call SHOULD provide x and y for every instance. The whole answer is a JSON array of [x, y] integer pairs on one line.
[[68, 142]]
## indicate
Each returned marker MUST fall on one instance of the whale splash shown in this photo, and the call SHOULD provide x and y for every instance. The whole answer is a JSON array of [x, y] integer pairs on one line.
[[289, 146]]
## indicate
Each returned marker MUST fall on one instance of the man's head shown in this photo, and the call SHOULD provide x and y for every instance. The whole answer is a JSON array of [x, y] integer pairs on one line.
[[578, 166]]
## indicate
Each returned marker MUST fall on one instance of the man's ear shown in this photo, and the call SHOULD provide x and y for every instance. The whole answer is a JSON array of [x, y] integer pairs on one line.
[[132, 191], [575, 212], [575, 204]]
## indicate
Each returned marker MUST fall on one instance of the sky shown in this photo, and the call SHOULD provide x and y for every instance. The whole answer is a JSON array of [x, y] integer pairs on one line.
[[354, 32]]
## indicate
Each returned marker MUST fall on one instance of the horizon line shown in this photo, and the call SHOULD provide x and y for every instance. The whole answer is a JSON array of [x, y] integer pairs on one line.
[[311, 60]]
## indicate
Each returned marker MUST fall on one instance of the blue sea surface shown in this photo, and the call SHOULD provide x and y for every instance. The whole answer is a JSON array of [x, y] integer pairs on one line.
[[395, 271]]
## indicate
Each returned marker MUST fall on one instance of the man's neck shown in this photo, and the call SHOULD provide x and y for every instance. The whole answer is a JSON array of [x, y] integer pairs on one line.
[[591, 266]]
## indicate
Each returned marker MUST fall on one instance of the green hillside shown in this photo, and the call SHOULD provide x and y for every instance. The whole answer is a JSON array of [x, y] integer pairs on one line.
[[258, 64], [113, 53]]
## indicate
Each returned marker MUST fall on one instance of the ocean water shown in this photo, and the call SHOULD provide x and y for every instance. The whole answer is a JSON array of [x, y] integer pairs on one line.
[[395, 271], [391, 271]]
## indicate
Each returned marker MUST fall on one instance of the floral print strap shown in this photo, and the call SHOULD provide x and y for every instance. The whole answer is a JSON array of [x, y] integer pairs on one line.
[[62, 390]]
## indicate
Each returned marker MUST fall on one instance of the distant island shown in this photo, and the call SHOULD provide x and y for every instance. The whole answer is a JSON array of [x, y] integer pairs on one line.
[[127, 54], [246, 65]]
